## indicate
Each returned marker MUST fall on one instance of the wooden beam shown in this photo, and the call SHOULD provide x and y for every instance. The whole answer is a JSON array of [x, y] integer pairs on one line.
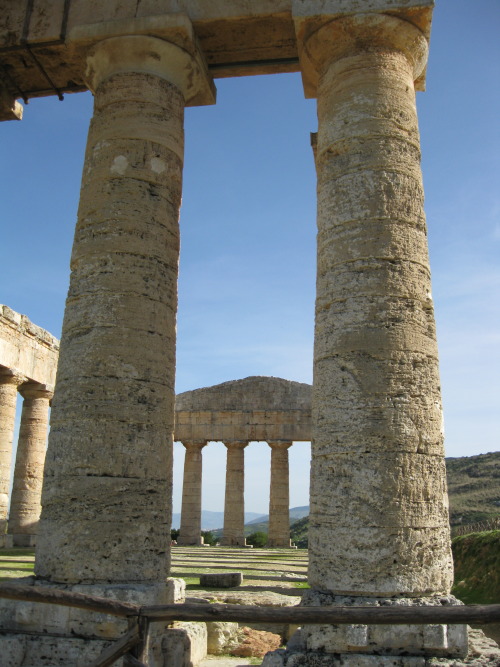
[[119, 648], [387, 615]]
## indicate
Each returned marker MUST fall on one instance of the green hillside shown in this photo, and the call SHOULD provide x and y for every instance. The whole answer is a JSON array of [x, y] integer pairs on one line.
[[473, 488]]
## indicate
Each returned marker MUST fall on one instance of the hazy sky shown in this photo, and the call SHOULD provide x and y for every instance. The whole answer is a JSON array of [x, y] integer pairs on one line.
[[247, 274]]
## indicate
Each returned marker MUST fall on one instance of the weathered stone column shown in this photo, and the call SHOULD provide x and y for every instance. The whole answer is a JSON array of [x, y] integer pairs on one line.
[[190, 532], [107, 487], [279, 496], [379, 531], [8, 397], [234, 501], [28, 472]]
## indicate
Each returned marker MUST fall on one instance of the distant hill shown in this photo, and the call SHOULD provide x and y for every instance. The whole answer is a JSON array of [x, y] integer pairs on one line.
[[295, 513], [473, 489], [212, 520]]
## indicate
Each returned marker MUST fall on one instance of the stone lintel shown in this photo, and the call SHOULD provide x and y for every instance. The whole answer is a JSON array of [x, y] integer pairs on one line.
[[311, 15]]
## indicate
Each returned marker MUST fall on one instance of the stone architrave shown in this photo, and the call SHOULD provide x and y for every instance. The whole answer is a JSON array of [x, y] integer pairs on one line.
[[9, 383], [28, 471], [234, 500], [279, 496], [379, 528], [190, 531]]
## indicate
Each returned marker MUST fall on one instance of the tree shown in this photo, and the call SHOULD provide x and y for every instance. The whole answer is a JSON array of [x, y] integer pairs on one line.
[[208, 537], [258, 539]]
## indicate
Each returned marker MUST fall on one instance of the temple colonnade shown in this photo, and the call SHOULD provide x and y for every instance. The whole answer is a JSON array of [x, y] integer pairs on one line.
[[236, 413], [28, 362], [379, 531]]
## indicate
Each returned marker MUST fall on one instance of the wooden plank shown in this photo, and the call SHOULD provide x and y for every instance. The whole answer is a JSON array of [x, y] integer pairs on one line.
[[67, 599], [390, 615], [119, 648]]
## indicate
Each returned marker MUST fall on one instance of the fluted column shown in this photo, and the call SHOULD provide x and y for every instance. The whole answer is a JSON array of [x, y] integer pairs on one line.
[[108, 474], [279, 496], [379, 528], [28, 472], [8, 398], [234, 501], [190, 532]]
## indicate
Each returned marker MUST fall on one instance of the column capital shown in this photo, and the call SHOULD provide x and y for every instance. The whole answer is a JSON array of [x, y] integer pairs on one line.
[[195, 444], [156, 56], [36, 390], [332, 36], [8, 376], [236, 444], [279, 444]]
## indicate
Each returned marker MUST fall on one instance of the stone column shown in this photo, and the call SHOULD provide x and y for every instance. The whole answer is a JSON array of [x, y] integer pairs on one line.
[[190, 532], [8, 397], [234, 501], [379, 530], [28, 472], [279, 496], [106, 505]]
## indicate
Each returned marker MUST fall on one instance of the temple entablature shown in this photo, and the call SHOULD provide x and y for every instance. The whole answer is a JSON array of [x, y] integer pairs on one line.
[[26, 349], [253, 409]]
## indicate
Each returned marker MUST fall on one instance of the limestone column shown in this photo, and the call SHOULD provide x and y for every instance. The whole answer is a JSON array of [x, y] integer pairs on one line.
[[107, 486], [279, 496], [190, 532], [379, 530], [8, 397], [234, 501], [28, 471]]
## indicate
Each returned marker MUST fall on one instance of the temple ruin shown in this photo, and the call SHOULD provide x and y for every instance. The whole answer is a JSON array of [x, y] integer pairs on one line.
[[28, 363], [266, 409], [379, 532]]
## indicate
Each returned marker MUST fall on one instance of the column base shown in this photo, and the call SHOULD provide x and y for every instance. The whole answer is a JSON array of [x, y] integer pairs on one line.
[[278, 543], [23, 540], [234, 542], [372, 645], [190, 541], [68, 636], [6, 541]]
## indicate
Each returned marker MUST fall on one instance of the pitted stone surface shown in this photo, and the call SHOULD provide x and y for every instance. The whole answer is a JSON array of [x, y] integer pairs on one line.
[[109, 462], [378, 477]]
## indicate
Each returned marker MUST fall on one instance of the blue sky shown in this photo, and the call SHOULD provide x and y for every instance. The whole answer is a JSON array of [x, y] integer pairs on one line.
[[247, 271]]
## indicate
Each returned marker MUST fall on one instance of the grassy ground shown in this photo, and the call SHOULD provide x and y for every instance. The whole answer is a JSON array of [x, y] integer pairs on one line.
[[277, 570], [282, 570]]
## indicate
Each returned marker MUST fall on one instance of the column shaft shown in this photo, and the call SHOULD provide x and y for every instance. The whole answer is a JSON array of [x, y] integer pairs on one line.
[[190, 532], [279, 496], [8, 399], [378, 483], [234, 502], [28, 472], [108, 472]]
